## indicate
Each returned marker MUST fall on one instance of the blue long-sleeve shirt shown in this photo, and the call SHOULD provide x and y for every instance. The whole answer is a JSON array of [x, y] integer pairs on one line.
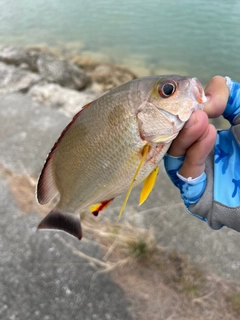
[[218, 188]]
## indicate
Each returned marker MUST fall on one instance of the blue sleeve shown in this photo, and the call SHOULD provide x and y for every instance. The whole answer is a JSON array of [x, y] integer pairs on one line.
[[233, 105], [227, 169], [227, 153], [191, 190]]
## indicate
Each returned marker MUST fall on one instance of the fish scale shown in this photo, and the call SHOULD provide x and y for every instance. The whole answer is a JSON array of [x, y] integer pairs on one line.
[[113, 144], [90, 168]]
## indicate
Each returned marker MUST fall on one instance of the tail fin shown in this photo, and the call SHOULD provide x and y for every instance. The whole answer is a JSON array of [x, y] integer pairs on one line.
[[62, 221]]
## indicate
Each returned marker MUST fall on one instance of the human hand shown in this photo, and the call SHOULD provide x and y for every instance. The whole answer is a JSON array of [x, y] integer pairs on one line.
[[197, 137], [201, 189]]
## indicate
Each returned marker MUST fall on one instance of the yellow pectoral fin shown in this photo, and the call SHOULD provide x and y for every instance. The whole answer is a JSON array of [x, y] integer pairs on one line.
[[145, 151], [149, 184]]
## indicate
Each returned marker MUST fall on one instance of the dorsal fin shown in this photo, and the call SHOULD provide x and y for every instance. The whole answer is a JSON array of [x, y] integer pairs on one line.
[[46, 188]]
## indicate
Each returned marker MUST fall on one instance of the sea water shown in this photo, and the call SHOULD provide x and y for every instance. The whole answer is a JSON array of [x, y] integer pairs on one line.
[[199, 38]]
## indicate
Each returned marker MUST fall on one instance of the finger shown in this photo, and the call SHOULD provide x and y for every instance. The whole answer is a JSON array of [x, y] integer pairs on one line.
[[191, 132], [217, 94], [194, 163]]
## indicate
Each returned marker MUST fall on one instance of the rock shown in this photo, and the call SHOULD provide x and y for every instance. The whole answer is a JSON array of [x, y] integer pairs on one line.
[[20, 57], [15, 56], [28, 131], [67, 101], [16, 79], [50, 67], [111, 76], [106, 74], [76, 73], [102, 73], [62, 72]]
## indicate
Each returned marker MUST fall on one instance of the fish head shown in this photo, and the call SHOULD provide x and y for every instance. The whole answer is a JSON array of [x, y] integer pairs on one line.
[[168, 104]]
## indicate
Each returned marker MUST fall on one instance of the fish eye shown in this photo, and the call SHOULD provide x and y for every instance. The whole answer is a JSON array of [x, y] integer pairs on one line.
[[167, 89]]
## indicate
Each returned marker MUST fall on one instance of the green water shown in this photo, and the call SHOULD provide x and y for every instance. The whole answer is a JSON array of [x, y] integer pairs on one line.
[[197, 37]]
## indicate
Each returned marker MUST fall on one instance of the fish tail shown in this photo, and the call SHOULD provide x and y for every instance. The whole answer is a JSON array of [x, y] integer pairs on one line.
[[62, 221]]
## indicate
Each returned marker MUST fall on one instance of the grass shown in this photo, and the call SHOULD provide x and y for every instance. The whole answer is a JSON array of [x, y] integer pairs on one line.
[[235, 303], [139, 248]]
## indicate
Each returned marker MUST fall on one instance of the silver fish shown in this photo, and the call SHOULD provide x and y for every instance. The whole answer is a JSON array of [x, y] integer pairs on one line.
[[113, 144]]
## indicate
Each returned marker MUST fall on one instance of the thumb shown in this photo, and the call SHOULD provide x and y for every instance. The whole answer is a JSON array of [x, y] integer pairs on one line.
[[194, 163], [217, 94]]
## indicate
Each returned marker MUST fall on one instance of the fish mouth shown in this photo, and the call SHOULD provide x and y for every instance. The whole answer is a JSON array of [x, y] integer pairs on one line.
[[198, 92]]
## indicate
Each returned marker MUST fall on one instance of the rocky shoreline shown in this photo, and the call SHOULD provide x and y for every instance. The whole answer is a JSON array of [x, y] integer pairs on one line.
[[64, 83]]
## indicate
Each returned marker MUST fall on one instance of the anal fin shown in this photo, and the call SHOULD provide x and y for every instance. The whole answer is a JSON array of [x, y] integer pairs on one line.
[[61, 221], [148, 185], [100, 206]]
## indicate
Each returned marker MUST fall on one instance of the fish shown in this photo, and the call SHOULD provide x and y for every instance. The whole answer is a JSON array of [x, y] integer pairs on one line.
[[113, 144]]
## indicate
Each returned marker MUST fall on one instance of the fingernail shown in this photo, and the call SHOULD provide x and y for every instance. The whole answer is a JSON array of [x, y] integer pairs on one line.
[[192, 120]]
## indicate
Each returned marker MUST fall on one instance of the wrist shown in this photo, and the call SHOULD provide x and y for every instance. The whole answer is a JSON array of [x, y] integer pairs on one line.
[[191, 180]]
